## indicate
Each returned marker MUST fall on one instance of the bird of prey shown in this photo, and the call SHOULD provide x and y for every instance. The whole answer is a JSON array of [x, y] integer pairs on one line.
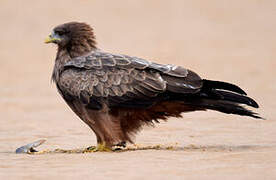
[[115, 94]]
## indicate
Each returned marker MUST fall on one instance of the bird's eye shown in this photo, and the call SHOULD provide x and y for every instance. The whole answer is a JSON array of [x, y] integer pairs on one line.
[[60, 33]]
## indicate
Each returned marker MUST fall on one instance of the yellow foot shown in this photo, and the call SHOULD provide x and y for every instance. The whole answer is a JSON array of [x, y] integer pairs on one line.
[[101, 147]]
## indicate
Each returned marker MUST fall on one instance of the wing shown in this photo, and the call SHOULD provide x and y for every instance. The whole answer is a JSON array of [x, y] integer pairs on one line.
[[120, 80]]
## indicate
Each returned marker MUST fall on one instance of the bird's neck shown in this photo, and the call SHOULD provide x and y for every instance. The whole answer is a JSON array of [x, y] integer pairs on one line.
[[62, 58], [77, 51], [78, 47]]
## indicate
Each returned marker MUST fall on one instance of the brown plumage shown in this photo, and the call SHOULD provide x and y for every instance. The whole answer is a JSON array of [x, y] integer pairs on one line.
[[115, 95]]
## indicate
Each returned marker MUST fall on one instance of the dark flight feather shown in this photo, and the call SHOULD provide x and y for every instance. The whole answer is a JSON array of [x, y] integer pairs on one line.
[[208, 84]]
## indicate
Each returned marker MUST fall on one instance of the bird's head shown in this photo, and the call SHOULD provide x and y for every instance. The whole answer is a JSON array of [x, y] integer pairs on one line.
[[76, 37]]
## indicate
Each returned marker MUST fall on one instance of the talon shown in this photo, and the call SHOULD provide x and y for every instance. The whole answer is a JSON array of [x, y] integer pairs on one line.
[[119, 147], [29, 148], [122, 144], [90, 149]]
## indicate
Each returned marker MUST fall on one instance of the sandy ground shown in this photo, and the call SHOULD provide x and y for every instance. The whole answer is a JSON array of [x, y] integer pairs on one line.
[[224, 40]]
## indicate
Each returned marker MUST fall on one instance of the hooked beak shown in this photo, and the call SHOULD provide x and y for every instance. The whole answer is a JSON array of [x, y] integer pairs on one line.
[[52, 38]]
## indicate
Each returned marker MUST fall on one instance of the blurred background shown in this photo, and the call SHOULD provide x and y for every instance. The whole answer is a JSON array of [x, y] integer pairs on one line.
[[225, 40]]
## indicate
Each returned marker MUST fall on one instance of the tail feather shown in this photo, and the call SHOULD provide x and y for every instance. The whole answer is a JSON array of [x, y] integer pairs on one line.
[[227, 107], [226, 98], [229, 96]]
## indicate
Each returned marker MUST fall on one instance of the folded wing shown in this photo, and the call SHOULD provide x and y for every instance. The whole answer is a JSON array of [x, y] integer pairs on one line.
[[120, 80]]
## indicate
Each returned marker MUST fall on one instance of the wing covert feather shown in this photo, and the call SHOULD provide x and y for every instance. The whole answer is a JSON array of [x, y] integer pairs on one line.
[[114, 87], [119, 79]]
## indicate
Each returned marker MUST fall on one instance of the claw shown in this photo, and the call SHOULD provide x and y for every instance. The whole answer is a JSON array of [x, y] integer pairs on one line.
[[119, 147], [29, 148]]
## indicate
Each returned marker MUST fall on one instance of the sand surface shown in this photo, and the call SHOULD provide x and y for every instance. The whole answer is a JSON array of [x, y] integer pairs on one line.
[[225, 40]]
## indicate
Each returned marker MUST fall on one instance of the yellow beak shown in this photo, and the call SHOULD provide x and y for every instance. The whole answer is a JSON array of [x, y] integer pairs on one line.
[[51, 39], [48, 39]]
